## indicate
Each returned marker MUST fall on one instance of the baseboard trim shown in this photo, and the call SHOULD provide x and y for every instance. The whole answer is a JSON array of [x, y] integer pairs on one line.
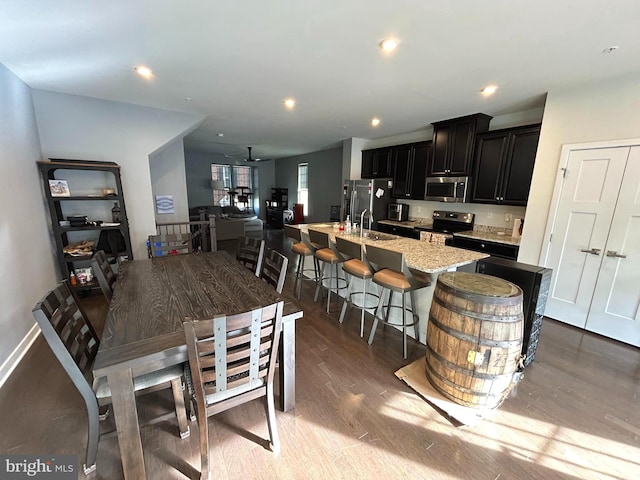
[[14, 359]]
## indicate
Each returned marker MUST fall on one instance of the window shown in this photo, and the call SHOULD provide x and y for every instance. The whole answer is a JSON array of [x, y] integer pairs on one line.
[[232, 177], [303, 186]]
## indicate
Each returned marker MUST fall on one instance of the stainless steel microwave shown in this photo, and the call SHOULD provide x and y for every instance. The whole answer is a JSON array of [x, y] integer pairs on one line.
[[446, 189]]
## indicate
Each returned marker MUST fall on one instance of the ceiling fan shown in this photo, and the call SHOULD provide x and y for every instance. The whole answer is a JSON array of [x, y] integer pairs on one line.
[[251, 159]]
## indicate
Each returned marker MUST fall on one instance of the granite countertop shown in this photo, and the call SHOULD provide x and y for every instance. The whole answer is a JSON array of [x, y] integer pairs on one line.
[[409, 223], [489, 237], [422, 256]]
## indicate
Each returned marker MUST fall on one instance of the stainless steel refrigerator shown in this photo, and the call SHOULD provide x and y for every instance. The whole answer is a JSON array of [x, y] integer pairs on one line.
[[374, 195]]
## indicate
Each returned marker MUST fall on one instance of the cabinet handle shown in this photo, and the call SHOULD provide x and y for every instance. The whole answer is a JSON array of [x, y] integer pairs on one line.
[[613, 253], [593, 251]]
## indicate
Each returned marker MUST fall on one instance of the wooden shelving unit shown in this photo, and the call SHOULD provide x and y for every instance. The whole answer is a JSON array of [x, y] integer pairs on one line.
[[61, 170]]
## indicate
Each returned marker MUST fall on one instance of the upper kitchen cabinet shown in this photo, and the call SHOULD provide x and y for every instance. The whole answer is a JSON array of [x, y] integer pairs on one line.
[[503, 165], [376, 163], [453, 145], [410, 169]]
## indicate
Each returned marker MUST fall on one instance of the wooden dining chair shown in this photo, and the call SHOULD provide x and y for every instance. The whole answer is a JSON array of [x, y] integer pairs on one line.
[[103, 272], [232, 360], [75, 344], [250, 252], [274, 269], [170, 244]]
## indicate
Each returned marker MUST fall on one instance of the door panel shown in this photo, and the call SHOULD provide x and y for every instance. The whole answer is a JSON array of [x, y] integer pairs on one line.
[[615, 310], [583, 219]]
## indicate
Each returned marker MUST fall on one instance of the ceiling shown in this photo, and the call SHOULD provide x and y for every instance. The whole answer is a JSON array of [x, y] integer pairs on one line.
[[236, 61]]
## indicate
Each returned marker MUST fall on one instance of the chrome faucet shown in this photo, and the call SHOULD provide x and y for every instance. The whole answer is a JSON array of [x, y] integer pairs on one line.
[[364, 212]]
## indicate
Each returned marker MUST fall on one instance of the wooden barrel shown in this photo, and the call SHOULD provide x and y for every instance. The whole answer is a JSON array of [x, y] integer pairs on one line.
[[474, 338]]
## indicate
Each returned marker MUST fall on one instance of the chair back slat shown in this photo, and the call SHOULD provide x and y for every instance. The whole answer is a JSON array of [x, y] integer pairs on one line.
[[232, 355], [349, 248], [293, 233], [383, 258], [67, 331], [274, 269], [170, 244], [250, 253], [103, 272], [319, 238]]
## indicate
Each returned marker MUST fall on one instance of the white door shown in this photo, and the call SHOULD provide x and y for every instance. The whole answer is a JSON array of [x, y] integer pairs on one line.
[[579, 232], [615, 310]]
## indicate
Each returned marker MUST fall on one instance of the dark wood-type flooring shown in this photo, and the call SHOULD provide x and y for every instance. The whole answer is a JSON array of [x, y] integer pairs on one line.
[[575, 415]]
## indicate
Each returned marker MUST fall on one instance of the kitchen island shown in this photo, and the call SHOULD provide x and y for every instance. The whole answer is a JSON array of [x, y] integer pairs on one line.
[[425, 257]]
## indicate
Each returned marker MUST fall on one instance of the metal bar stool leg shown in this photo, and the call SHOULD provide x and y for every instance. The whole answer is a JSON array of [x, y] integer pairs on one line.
[[375, 318], [404, 326], [416, 317], [347, 299], [364, 300], [319, 279]]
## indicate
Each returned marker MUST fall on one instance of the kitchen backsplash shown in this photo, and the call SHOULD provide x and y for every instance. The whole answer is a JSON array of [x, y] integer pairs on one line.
[[491, 218]]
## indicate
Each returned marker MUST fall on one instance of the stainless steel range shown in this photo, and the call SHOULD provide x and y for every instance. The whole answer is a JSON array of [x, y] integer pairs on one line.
[[445, 224]]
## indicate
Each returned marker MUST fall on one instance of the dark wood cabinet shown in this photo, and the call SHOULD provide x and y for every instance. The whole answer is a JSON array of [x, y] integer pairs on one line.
[[453, 145], [410, 170], [503, 165], [398, 230], [377, 163], [495, 249]]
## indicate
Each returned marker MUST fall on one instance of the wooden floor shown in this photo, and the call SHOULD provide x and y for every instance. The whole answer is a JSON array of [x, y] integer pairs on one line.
[[575, 415]]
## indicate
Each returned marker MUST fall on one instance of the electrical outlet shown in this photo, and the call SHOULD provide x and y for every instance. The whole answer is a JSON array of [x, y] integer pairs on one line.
[[507, 218]]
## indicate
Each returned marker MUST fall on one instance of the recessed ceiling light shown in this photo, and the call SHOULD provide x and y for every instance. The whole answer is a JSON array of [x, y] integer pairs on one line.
[[610, 49], [388, 44], [289, 103], [489, 90], [221, 134], [375, 122], [144, 71]]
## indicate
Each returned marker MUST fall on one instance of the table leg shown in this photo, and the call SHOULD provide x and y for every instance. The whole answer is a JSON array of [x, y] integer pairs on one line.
[[126, 417], [287, 371]]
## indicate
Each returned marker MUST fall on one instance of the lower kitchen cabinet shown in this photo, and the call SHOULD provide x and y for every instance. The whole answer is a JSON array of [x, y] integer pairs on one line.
[[398, 230], [503, 165], [495, 249]]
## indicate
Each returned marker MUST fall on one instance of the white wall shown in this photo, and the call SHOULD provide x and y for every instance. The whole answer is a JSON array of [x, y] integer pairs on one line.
[[86, 128], [27, 269], [604, 111], [168, 177]]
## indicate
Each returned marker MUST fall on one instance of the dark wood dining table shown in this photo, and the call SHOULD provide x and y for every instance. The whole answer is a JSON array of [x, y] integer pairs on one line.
[[144, 333]]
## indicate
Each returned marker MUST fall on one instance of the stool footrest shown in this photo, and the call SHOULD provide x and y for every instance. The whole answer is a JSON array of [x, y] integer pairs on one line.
[[394, 324], [354, 304]]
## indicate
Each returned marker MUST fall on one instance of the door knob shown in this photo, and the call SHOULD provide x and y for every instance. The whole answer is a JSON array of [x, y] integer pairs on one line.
[[593, 251], [613, 253]]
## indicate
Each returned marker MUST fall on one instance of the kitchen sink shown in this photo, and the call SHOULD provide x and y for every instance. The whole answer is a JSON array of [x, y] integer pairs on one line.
[[377, 236]]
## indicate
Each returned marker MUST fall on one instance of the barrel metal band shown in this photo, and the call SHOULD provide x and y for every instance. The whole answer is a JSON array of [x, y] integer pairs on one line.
[[473, 339], [455, 387], [478, 315], [511, 300], [471, 373]]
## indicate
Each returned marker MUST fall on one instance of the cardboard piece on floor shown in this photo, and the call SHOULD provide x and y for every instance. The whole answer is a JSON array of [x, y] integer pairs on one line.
[[414, 376]]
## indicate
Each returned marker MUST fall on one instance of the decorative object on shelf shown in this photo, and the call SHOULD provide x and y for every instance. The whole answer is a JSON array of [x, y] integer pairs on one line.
[[116, 213], [59, 188], [79, 249], [109, 192], [164, 204]]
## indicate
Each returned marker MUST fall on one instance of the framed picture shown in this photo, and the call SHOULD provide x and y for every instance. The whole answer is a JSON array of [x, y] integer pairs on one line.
[[164, 204], [59, 188]]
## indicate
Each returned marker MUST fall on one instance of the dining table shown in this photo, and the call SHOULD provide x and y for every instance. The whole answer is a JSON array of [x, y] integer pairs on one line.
[[144, 328]]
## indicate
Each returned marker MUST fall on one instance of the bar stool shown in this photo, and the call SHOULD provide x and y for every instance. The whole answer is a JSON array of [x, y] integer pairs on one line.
[[302, 251], [327, 254], [355, 267], [394, 275]]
